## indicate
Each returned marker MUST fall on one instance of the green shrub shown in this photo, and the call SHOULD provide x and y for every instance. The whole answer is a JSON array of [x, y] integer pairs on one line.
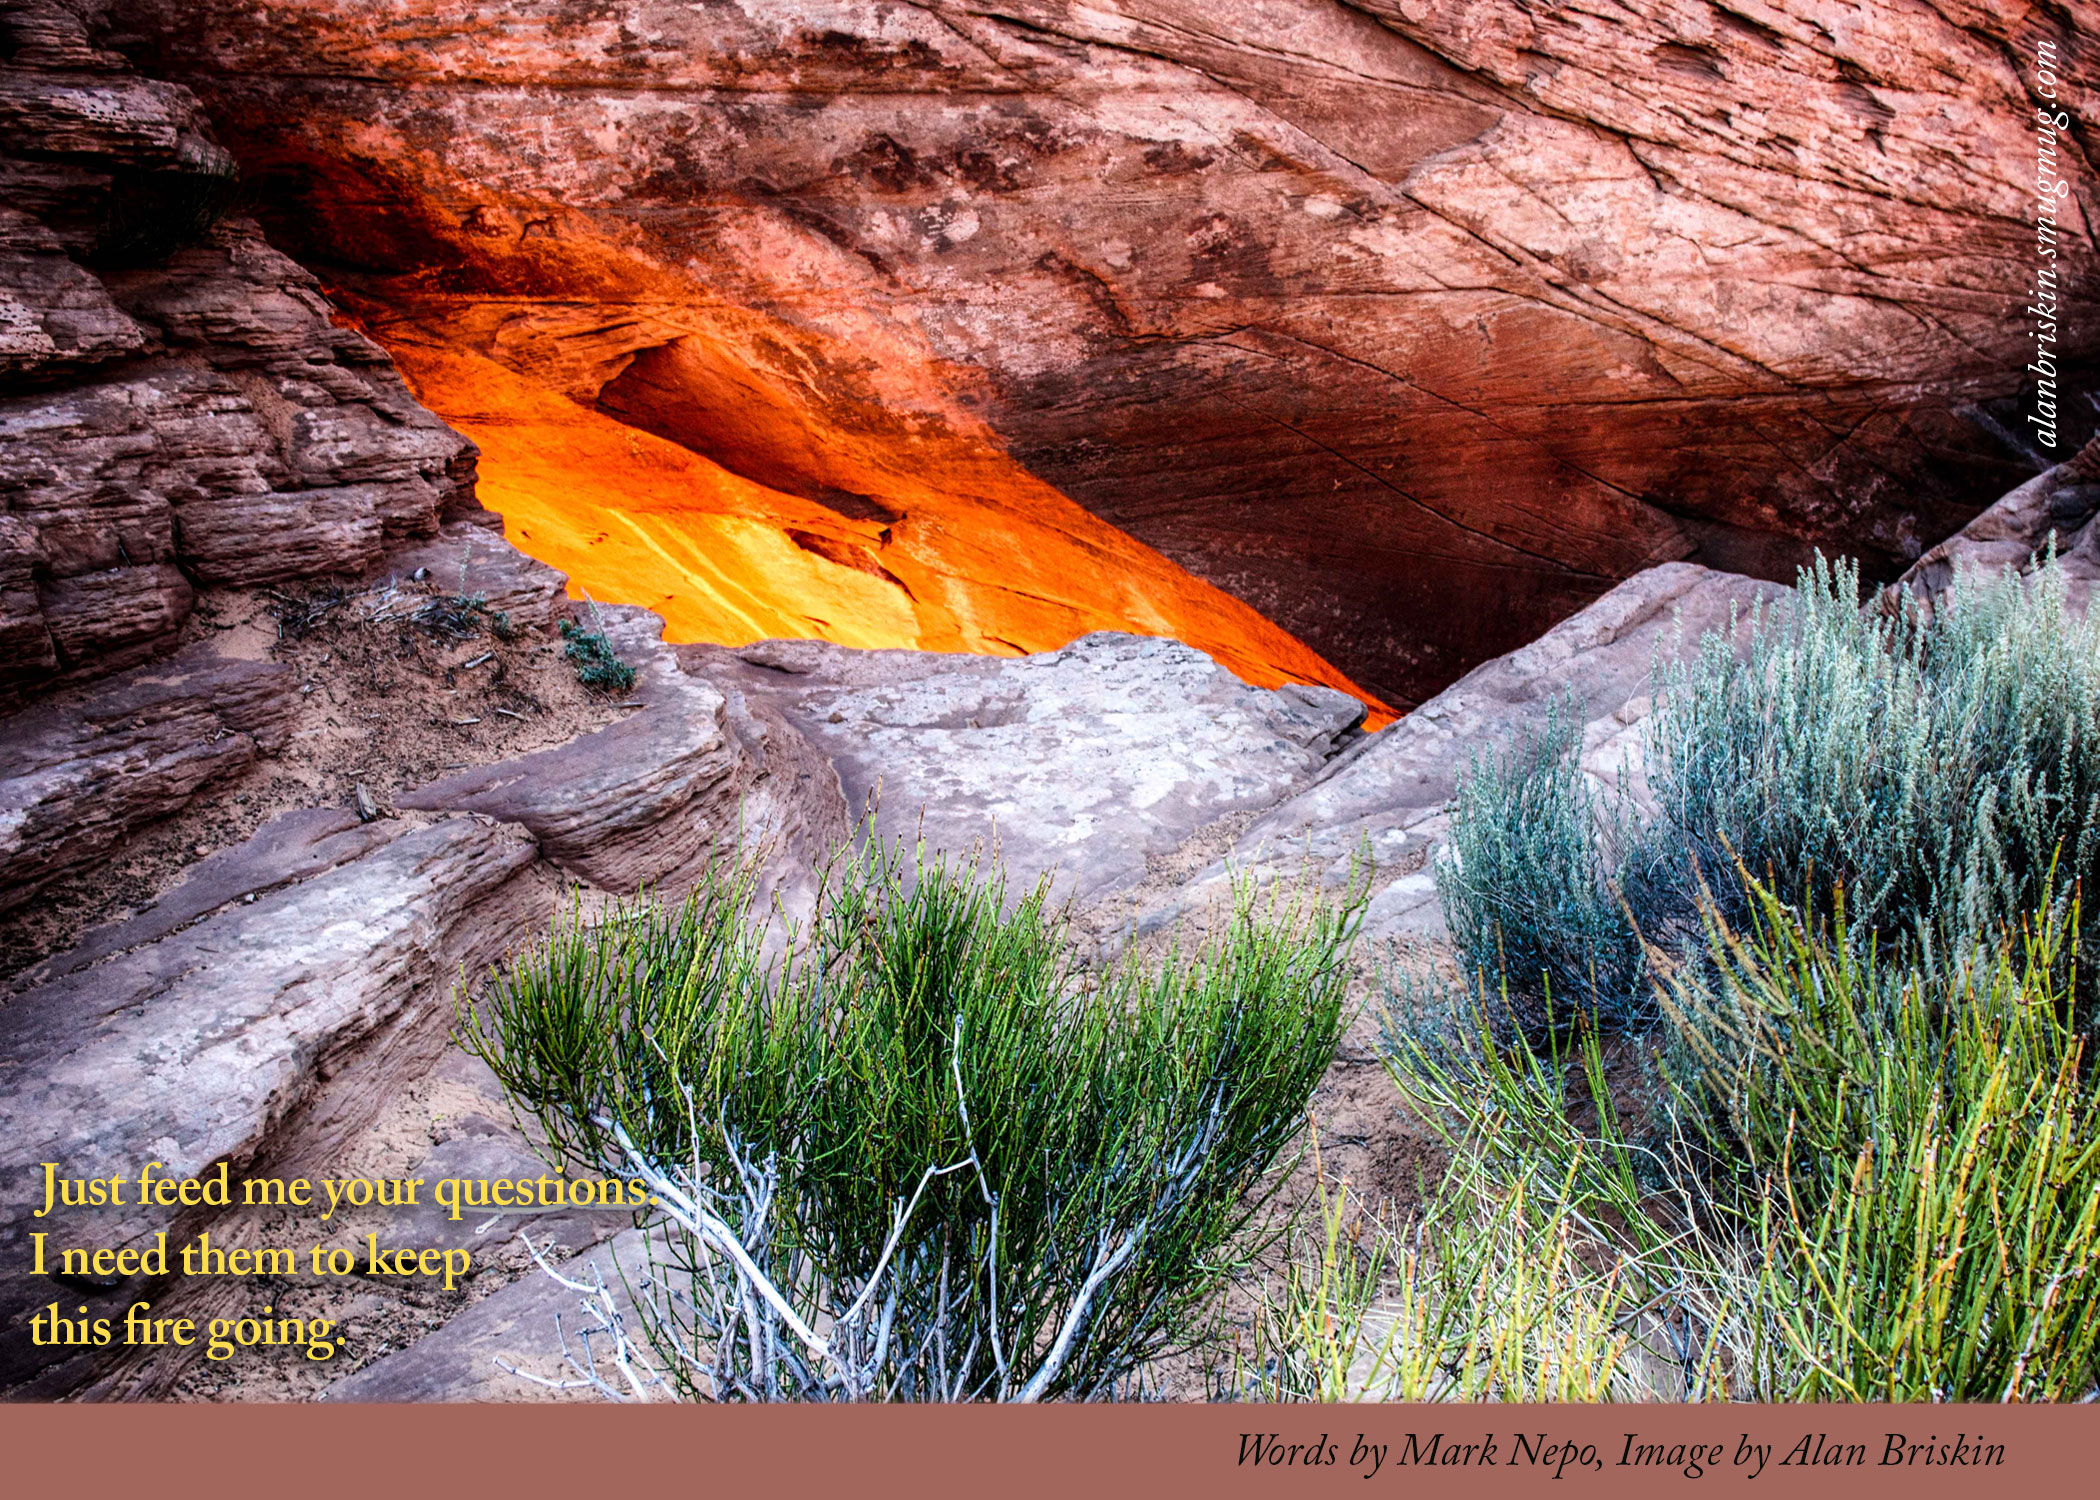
[[1525, 880], [598, 665], [1944, 777], [919, 1156], [1865, 1158], [1560, 1258], [1493, 1292], [1918, 1148], [1864, 1180]]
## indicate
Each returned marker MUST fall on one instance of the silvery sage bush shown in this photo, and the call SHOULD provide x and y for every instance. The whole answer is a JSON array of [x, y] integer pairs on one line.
[[1943, 773]]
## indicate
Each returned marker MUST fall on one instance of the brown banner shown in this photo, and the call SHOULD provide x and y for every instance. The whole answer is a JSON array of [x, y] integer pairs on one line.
[[2002, 1453]]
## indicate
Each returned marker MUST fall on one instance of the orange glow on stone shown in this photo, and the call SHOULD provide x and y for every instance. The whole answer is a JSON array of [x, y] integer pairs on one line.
[[982, 557]]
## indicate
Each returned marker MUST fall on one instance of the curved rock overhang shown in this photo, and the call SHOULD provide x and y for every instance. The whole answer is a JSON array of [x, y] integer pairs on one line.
[[1398, 330]]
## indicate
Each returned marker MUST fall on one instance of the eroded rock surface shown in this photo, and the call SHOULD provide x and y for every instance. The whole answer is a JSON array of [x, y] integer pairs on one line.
[[262, 1037], [291, 847], [178, 406], [79, 775], [1413, 326], [1077, 764], [270, 1002], [1386, 801], [515, 1327], [1098, 759], [650, 799]]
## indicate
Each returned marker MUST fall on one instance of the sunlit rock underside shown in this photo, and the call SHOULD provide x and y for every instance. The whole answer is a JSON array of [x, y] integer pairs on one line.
[[965, 551], [1410, 326]]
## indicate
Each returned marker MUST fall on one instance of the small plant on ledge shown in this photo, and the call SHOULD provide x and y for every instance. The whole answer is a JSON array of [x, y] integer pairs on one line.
[[459, 617], [598, 665]]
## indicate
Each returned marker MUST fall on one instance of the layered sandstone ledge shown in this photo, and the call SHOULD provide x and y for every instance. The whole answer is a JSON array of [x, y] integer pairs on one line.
[[178, 407]]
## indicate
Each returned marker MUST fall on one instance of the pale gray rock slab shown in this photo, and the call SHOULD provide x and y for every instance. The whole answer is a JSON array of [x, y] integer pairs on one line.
[[516, 1325], [263, 1037], [2057, 507], [1077, 764], [291, 847], [1387, 799]]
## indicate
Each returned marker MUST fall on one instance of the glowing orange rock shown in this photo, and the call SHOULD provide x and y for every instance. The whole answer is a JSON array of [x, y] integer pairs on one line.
[[993, 562]]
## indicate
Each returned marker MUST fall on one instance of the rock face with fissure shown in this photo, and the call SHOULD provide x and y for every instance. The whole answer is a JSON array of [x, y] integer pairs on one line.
[[1384, 807], [1415, 326]]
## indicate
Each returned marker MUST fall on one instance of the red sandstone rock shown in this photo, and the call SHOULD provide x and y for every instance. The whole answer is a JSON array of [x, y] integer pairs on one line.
[[196, 418], [1413, 325], [115, 616], [25, 640], [54, 315]]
